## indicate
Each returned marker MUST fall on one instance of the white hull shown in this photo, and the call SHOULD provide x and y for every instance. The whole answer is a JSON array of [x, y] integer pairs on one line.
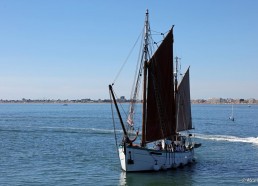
[[142, 159]]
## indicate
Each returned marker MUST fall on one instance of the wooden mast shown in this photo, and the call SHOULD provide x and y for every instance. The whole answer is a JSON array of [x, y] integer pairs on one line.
[[175, 83], [143, 143], [176, 97]]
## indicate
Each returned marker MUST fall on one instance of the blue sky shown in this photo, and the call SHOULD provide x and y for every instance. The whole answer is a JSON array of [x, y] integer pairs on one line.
[[74, 49]]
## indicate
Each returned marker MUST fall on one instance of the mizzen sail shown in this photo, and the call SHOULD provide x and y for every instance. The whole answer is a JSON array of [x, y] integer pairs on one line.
[[184, 118]]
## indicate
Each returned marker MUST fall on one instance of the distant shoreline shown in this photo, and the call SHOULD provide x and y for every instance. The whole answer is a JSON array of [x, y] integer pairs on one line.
[[72, 103], [123, 100]]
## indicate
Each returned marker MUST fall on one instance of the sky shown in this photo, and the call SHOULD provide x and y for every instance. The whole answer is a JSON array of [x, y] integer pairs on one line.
[[64, 49]]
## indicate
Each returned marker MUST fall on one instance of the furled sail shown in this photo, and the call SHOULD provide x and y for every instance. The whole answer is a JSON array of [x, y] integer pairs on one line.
[[130, 118], [184, 118], [160, 119]]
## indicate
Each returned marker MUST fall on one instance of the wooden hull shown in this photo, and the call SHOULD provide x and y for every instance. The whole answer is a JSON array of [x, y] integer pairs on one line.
[[135, 159]]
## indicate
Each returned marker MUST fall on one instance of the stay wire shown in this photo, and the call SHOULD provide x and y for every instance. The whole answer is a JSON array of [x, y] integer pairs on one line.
[[138, 70], [114, 126], [122, 67]]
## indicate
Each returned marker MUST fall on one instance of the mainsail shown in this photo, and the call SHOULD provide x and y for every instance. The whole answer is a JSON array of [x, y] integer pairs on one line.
[[184, 118], [160, 115]]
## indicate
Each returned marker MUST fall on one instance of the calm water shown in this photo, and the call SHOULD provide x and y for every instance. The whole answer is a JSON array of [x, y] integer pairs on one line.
[[51, 144]]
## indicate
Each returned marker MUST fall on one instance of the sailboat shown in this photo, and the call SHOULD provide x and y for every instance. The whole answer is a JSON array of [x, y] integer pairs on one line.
[[231, 117], [164, 141]]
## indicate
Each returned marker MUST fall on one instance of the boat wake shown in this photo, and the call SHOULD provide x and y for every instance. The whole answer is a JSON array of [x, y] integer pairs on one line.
[[78, 130], [253, 140], [47, 129]]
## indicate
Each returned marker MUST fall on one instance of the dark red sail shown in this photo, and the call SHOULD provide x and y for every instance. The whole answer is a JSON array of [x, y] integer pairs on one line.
[[160, 117]]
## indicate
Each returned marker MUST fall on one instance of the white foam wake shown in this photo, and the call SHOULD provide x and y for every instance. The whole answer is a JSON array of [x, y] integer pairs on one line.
[[253, 140]]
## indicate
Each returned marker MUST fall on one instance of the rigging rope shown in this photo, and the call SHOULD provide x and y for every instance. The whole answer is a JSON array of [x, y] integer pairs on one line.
[[119, 72], [114, 126], [135, 87], [159, 33]]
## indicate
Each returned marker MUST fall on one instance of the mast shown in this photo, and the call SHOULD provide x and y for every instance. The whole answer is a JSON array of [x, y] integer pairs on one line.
[[174, 86], [176, 105], [176, 91], [175, 74], [143, 143]]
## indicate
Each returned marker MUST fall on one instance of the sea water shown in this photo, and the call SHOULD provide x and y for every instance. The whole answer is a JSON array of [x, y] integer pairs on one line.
[[52, 144]]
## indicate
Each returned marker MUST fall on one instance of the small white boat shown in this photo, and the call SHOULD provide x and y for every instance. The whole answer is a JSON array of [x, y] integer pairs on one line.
[[231, 117]]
